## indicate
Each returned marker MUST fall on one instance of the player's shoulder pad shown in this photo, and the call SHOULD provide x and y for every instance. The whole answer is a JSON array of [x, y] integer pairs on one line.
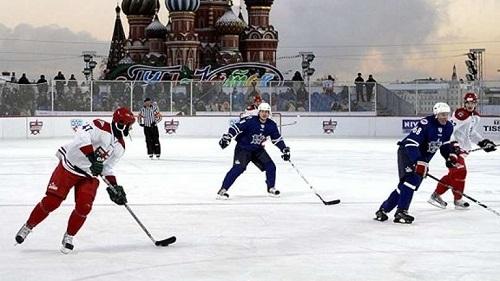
[[461, 114], [103, 125]]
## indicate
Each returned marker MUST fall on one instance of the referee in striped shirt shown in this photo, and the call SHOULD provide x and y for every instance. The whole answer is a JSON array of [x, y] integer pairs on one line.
[[148, 118]]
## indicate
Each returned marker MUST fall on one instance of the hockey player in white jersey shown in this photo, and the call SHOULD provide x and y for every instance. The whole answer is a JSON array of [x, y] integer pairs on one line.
[[253, 109], [466, 122], [94, 151]]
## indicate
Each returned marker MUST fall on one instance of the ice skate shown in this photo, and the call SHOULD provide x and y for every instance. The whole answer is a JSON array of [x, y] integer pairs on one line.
[[380, 215], [222, 194], [460, 204], [273, 192], [437, 201], [402, 216], [22, 233], [67, 244]]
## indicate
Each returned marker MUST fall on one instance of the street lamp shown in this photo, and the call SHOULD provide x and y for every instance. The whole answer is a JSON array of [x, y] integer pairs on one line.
[[90, 64], [307, 70]]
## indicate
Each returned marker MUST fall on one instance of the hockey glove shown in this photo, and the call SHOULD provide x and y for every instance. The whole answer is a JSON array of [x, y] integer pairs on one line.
[[451, 162], [487, 145], [225, 141], [117, 194], [96, 164], [286, 154], [421, 168]]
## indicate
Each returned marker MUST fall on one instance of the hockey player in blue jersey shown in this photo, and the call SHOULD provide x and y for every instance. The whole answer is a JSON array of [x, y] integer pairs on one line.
[[415, 151], [250, 134]]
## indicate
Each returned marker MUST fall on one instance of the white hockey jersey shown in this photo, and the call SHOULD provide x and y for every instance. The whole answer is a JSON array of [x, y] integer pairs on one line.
[[97, 136], [465, 128]]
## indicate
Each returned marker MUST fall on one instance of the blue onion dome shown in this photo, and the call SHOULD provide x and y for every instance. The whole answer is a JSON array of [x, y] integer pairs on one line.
[[140, 7], [156, 29], [266, 3], [182, 5], [229, 23]]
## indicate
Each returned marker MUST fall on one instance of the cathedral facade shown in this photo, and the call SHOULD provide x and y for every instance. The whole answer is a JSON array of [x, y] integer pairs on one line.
[[198, 33]]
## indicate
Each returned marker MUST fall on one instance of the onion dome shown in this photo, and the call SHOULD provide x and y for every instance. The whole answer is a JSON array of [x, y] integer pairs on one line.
[[267, 3], [182, 5], [126, 59], [156, 29], [229, 23], [140, 7]]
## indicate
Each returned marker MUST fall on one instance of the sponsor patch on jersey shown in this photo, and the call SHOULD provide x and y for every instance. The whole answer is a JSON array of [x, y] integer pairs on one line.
[[440, 130], [424, 121]]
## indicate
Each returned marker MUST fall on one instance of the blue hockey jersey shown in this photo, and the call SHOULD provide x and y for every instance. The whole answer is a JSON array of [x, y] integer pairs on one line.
[[427, 138], [251, 133]]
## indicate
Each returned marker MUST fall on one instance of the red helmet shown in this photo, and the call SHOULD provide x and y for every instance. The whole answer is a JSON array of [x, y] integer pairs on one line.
[[470, 97], [123, 116]]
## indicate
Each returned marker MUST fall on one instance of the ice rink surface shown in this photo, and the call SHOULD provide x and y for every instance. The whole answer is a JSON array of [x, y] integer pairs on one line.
[[251, 236]]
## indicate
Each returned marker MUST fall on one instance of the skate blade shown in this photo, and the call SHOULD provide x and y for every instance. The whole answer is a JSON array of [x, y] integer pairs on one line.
[[273, 195], [460, 208], [65, 250], [436, 204], [224, 198]]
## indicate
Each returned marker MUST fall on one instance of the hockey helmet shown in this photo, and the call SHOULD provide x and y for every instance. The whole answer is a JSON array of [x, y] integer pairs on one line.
[[470, 97], [123, 116], [257, 99], [441, 107], [265, 107]]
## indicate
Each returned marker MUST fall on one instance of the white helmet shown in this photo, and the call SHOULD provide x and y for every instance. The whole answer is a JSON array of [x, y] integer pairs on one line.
[[441, 107], [264, 107]]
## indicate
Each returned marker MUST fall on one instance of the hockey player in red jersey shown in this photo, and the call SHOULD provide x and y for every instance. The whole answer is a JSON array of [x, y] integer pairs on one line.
[[466, 122], [95, 150]]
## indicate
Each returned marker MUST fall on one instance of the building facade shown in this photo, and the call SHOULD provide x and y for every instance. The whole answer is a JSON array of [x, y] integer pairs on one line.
[[198, 33]]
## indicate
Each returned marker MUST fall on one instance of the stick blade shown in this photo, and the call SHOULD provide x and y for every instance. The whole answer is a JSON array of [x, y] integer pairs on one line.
[[333, 202], [166, 242]]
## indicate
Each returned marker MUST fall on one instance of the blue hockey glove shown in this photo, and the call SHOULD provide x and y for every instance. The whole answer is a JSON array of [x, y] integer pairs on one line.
[[225, 141], [286, 154]]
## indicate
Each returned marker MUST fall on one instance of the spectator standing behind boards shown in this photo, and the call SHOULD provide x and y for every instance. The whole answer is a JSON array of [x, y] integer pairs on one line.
[[23, 79], [72, 83], [328, 85], [370, 83], [59, 97], [148, 118], [43, 98], [359, 82]]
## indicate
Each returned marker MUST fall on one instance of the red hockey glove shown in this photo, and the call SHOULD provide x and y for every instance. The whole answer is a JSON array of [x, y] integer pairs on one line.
[[452, 160]]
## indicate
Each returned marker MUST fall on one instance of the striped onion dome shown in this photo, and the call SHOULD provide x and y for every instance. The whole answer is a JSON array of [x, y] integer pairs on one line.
[[182, 5]]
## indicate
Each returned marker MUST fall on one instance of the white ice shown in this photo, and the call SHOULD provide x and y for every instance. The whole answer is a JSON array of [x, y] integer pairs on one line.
[[251, 236]]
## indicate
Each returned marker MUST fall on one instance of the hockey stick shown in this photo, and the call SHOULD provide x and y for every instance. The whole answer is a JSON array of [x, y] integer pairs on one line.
[[162, 243], [289, 124], [464, 195], [333, 202], [480, 148]]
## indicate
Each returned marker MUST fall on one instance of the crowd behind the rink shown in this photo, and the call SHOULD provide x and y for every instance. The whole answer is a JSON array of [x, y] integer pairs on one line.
[[29, 98]]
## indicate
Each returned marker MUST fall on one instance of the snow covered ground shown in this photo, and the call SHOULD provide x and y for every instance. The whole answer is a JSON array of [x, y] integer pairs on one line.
[[252, 236]]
